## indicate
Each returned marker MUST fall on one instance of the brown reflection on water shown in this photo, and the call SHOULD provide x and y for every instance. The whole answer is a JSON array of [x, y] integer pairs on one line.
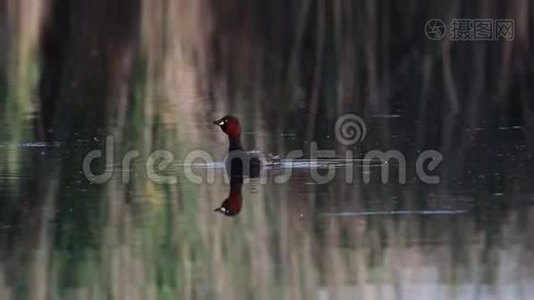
[[232, 205]]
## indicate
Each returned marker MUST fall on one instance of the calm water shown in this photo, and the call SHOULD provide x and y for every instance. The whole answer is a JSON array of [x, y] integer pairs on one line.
[[65, 238]]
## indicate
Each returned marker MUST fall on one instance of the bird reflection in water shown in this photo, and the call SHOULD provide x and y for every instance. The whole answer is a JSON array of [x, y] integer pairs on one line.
[[231, 206]]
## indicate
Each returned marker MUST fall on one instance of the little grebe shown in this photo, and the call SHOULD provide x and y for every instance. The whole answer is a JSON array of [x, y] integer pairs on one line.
[[238, 162]]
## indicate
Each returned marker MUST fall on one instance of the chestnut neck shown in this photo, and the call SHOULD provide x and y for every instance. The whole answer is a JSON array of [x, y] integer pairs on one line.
[[235, 143]]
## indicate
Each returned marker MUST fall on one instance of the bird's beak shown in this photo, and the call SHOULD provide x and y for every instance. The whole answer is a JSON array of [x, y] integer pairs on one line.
[[217, 209], [219, 122]]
